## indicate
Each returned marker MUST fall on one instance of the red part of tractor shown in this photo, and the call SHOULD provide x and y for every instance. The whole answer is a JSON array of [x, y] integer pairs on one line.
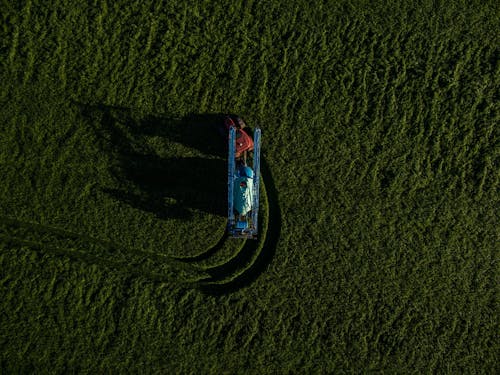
[[243, 141]]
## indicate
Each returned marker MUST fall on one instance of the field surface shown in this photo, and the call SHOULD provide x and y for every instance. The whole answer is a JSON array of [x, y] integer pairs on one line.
[[380, 179]]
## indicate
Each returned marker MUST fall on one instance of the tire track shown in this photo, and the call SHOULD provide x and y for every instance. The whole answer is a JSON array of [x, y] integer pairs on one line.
[[231, 268], [232, 277], [207, 253], [241, 269], [86, 248], [244, 258]]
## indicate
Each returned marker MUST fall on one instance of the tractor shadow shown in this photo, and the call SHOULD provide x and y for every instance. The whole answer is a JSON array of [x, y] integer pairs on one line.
[[197, 131], [168, 187], [171, 187]]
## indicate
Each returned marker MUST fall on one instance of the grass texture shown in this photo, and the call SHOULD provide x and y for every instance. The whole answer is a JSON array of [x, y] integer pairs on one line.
[[379, 232]]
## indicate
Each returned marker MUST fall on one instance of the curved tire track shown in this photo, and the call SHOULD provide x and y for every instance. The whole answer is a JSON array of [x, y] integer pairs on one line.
[[244, 268], [238, 271], [82, 247]]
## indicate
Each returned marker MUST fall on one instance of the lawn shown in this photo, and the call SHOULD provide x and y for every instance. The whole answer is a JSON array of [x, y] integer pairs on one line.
[[379, 197]]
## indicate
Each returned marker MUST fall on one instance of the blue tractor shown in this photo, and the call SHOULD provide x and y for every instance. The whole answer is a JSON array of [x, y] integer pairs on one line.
[[243, 187]]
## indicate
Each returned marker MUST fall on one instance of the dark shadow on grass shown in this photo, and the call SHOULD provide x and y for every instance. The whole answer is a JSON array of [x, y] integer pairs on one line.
[[198, 131], [166, 187]]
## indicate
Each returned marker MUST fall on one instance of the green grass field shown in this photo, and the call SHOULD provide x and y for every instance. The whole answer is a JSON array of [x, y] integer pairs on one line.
[[380, 229]]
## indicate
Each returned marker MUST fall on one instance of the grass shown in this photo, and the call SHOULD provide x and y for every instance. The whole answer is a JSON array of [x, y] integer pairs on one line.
[[380, 171]]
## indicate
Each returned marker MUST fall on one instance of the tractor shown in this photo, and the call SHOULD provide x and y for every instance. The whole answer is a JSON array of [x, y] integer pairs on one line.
[[243, 178]]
